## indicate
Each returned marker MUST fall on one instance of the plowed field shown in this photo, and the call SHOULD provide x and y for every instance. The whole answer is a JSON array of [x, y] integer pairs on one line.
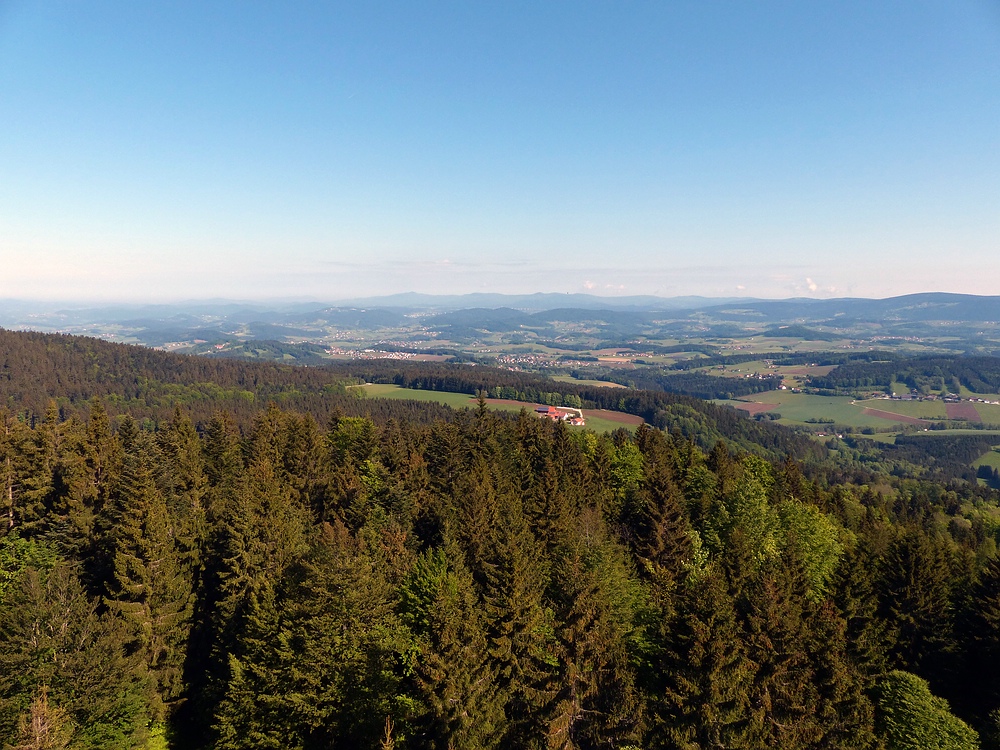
[[963, 410], [754, 408], [894, 417]]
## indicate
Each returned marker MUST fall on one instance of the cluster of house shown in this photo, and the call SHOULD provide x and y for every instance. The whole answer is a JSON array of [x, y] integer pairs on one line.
[[571, 416]]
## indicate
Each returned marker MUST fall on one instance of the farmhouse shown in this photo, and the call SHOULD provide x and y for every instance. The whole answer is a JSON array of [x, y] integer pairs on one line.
[[572, 416]]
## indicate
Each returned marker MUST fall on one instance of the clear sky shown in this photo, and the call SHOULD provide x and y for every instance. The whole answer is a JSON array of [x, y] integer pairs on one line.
[[174, 150]]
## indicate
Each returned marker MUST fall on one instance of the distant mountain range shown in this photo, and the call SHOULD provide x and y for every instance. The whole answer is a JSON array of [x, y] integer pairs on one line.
[[465, 317], [536, 302]]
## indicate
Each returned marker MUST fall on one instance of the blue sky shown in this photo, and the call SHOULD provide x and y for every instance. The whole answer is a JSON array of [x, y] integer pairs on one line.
[[327, 150]]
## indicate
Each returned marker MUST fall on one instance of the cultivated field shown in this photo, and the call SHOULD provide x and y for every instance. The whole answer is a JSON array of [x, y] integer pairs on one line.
[[929, 410], [599, 383], [893, 417], [598, 420], [963, 410]]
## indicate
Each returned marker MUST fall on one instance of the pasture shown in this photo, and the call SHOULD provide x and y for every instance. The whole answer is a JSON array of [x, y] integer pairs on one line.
[[991, 458], [598, 420], [598, 383]]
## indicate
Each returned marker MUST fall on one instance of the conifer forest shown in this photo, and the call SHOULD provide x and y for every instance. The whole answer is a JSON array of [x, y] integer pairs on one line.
[[223, 554]]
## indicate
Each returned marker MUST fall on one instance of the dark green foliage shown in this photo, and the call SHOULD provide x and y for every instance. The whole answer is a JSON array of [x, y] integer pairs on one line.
[[597, 606], [916, 602], [56, 643], [702, 675], [485, 580], [147, 584], [453, 679]]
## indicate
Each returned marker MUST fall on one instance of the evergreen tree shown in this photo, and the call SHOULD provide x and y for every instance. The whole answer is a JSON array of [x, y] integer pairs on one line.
[[147, 584], [519, 626], [45, 726], [14, 468], [340, 647], [982, 643], [185, 486], [452, 675], [262, 533], [597, 605], [912, 718], [56, 643], [916, 600], [703, 673], [784, 696]]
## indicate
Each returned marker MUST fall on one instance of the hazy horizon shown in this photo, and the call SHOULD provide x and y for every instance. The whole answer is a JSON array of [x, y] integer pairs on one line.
[[279, 301]]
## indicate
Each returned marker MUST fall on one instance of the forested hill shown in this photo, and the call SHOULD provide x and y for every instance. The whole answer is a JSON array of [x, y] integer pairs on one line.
[[474, 582], [478, 584], [37, 368]]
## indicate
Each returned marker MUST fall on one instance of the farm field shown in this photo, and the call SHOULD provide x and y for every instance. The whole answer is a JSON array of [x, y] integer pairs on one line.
[[598, 420], [599, 383], [930, 410], [963, 410], [990, 458], [798, 408], [990, 413], [454, 400]]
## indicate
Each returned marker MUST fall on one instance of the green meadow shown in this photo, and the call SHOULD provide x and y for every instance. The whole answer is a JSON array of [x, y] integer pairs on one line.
[[463, 401]]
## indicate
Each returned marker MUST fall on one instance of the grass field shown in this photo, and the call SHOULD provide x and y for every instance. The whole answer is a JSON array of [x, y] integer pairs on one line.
[[920, 409], [990, 458], [899, 388], [598, 421], [600, 383], [797, 408], [990, 413], [454, 400]]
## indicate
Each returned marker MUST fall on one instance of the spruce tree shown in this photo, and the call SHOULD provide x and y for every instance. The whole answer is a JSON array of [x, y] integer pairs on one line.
[[596, 602], [519, 626], [703, 681], [783, 692], [56, 643], [148, 585], [452, 675], [916, 601], [340, 647]]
